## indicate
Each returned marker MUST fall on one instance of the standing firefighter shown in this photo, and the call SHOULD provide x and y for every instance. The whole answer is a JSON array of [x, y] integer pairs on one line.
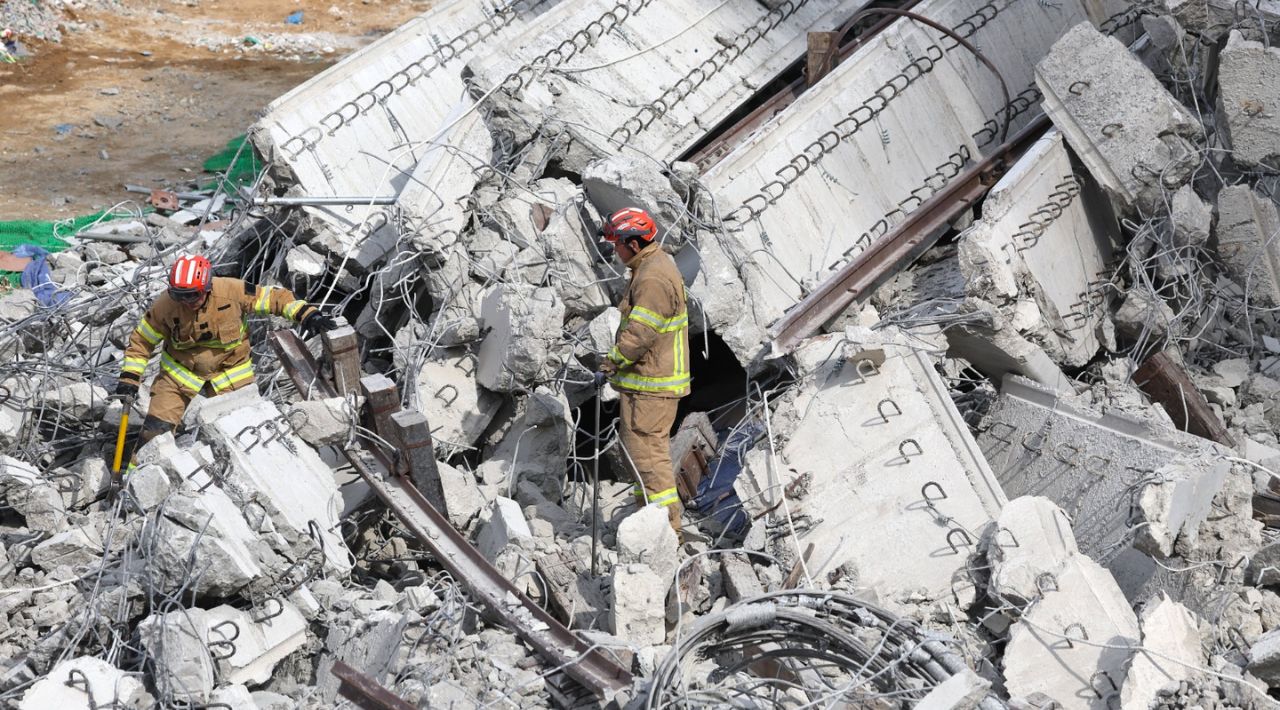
[[649, 362], [202, 321]]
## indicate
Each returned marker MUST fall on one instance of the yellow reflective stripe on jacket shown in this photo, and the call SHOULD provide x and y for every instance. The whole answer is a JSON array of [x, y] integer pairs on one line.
[[181, 374], [232, 377], [616, 355], [262, 304], [655, 321], [639, 383], [291, 310], [135, 365], [665, 498], [148, 333], [215, 344]]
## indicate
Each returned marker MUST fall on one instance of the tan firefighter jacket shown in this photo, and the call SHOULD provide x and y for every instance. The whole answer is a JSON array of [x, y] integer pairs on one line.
[[209, 345], [652, 345]]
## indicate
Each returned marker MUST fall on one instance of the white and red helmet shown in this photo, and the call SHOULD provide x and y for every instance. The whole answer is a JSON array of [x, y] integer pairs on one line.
[[629, 223], [190, 278]]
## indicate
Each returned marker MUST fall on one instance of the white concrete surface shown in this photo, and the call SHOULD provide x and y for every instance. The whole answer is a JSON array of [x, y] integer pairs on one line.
[[859, 477], [855, 179], [637, 612], [262, 643], [1170, 653], [106, 685]]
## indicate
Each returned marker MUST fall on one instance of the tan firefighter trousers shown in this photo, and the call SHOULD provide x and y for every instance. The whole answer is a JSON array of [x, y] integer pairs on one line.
[[646, 438]]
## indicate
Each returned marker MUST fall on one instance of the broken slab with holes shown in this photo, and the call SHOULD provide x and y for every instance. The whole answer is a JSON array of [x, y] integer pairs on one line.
[[1129, 131], [1095, 466], [277, 477], [1039, 253], [870, 454], [809, 170]]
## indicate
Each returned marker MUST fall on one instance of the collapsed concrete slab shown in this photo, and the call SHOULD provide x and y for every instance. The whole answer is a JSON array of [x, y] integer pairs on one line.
[[871, 443], [860, 120], [1093, 465], [1248, 97], [1248, 234], [301, 505], [1136, 155], [392, 119]]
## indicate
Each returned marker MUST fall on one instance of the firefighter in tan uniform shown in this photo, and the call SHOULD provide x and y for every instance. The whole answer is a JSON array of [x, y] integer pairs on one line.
[[649, 362], [202, 321]]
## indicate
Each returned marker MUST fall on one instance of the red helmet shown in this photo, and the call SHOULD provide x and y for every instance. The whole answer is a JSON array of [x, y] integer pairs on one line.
[[629, 223], [190, 278]]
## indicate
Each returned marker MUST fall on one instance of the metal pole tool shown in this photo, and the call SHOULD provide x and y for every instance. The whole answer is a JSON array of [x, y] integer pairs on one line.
[[118, 459]]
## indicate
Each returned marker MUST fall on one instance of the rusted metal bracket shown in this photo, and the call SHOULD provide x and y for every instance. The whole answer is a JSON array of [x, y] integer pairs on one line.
[[366, 692], [897, 249], [607, 681], [1164, 381]]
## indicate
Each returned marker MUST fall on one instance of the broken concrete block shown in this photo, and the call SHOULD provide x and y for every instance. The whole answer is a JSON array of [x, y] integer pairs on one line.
[[209, 552], [1249, 100], [1264, 658], [1233, 372], [79, 400], [34, 498], [234, 697], [501, 524], [536, 447], [87, 683], [524, 323], [304, 506], [1088, 605], [177, 647], [646, 537], [962, 691], [1144, 317], [266, 636], [1170, 653], [74, 547], [148, 485], [1175, 503], [10, 426], [447, 392], [1190, 217], [638, 612], [1130, 132], [370, 644], [1028, 547], [462, 496], [1248, 225], [739, 578], [321, 422], [18, 304], [627, 180]]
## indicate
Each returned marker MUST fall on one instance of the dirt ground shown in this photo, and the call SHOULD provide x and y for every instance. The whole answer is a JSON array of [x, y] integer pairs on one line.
[[140, 92]]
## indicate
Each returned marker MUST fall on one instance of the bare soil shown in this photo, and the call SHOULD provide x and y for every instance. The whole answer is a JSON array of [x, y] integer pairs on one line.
[[145, 93]]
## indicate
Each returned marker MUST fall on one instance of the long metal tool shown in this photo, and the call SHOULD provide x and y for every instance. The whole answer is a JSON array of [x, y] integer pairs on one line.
[[118, 459], [595, 494], [543, 632], [897, 249]]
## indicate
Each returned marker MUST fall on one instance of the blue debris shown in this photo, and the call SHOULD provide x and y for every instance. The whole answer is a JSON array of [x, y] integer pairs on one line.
[[37, 278], [716, 498], [295, 18], [64, 128]]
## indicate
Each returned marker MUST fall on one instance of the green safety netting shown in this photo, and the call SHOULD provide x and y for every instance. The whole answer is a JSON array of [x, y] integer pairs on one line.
[[235, 165]]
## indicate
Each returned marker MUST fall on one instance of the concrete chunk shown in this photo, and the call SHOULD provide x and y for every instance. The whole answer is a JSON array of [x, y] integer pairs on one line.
[[739, 578], [266, 636], [79, 400], [1249, 100], [536, 447], [501, 524], [34, 498], [962, 691], [1134, 137], [638, 612], [1087, 605], [447, 392], [1192, 218], [1028, 547], [627, 180], [462, 496], [103, 685], [1249, 242], [1170, 653], [1264, 658], [646, 537], [74, 547], [524, 322], [321, 422], [177, 646], [149, 486]]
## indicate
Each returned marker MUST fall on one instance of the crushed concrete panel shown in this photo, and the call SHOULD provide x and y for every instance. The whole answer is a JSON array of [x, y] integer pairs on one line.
[[871, 455], [1249, 99], [1043, 443], [809, 170], [1132, 134]]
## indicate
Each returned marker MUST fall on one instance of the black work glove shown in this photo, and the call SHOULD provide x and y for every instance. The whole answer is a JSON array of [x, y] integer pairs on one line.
[[126, 389], [317, 323], [599, 379]]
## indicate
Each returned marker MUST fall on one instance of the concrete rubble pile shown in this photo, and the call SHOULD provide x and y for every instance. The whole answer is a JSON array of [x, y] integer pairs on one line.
[[1036, 467]]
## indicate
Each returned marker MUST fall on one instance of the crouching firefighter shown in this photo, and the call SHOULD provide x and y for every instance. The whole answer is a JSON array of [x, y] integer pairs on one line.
[[201, 319], [649, 362]]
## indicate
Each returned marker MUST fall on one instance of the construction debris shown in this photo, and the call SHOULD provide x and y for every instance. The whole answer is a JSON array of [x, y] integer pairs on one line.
[[1034, 464]]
